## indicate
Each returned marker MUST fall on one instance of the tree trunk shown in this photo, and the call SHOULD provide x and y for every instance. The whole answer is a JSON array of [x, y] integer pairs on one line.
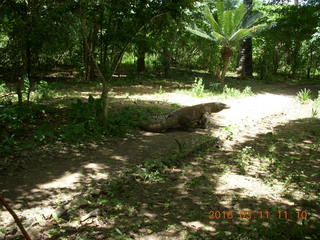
[[245, 63], [141, 65], [226, 53], [91, 41], [165, 60], [105, 101], [28, 68], [295, 61]]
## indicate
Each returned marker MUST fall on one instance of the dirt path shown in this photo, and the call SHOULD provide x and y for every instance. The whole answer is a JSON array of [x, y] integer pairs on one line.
[[63, 170]]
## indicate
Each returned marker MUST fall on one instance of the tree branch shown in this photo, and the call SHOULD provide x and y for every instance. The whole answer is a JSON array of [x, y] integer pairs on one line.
[[15, 217]]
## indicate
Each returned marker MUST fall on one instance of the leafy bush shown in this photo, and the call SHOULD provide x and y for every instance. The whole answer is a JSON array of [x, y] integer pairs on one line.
[[16, 122], [87, 121]]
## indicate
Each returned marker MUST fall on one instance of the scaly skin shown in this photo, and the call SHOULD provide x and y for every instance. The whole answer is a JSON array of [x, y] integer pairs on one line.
[[186, 117]]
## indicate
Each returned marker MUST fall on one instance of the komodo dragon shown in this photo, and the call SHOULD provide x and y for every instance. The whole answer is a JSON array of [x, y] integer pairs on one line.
[[184, 118]]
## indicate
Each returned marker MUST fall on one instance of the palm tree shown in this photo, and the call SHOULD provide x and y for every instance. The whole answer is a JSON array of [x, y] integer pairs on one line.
[[228, 28]]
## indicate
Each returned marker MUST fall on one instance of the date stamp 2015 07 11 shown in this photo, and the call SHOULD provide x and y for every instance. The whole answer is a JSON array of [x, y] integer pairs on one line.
[[259, 214]]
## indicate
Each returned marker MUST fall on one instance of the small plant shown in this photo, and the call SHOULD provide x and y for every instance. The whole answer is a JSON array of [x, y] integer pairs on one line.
[[247, 91], [43, 91], [316, 106], [231, 92], [3, 88], [228, 132], [304, 95], [244, 158], [198, 87], [161, 90]]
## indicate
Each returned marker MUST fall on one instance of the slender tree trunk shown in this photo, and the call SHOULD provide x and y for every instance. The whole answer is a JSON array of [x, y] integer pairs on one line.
[[245, 63], [28, 48], [92, 42], [165, 59], [275, 61], [29, 65], [141, 65], [310, 61], [295, 58], [19, 91]]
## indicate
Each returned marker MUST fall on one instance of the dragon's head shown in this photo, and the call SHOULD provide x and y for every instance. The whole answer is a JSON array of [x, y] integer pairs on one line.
[[218, 106]]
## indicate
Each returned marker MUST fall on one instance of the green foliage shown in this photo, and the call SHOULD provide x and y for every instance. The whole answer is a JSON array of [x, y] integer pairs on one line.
[[247, 91], [16, 121], [230, 26], [291, 46], [304, 95], [43, 91], [198, 87], [316, 106], [43, 133], [3, 88], [233, 92], [87, 121]]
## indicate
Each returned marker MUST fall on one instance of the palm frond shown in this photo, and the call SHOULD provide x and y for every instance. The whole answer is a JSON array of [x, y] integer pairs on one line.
[[252, 19], [239, 14], [199, 33], [227, 22], [214, 25], [220, 11], [239, 35], [259, 28], [218, 37]]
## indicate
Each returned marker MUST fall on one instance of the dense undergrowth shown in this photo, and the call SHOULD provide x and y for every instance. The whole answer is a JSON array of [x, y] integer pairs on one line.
[[33, 123]]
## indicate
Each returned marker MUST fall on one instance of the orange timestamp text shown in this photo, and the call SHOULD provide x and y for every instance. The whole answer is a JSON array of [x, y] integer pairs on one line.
[[259, 214]]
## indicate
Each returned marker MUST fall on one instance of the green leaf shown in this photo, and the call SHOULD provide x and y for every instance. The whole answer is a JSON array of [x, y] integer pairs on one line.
[[258, 28], [220, 10], [239, 35], [252, 19], [214, 25], [239, 14], [227, 24], [218, 37], [199, 33]]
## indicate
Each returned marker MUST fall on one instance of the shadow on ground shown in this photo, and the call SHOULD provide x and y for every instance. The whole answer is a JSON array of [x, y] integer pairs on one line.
[[177, 204]]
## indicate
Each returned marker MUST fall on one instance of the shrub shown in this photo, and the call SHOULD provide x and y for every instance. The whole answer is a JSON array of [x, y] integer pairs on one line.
[[304, 95], [198, 87]]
